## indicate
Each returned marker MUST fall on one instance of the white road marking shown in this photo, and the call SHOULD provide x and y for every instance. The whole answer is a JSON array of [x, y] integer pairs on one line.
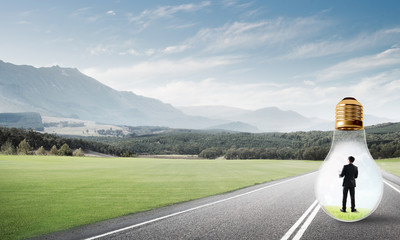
[[192, 209], [390, 185], [299, 221], [304, 227]]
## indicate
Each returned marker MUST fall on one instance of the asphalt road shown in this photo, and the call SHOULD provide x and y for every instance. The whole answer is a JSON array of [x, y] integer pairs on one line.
[[284, 209]]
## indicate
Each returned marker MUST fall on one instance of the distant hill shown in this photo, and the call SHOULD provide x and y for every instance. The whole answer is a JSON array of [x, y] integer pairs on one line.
[[271, 119], [66, 92], [26, 120], [214, 112], [384, 128], [236, 127]]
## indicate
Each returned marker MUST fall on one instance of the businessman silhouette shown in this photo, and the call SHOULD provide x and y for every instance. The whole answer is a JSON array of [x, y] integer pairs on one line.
[[350, 173]]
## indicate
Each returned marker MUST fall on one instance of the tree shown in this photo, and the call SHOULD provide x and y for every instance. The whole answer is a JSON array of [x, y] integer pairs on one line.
[[24, 148], [315, 153], [78, 153], [54, 150], [8, 148], [65, 150], [128, 153], [41, 151], [232, 153], [211, 153]]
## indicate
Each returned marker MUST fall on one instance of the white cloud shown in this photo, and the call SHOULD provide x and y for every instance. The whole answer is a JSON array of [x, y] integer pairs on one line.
[[182, 26], [234, 3], [380, 89], [123, 48], [150, 52], [229, 3], [100, 49], [175, 49], [130, 51], [170, 10], [86, 13], [337, 45], [23, 22], [378, 94], [80, 11], [147, 16], [111, 12], [123, 78], [245, 95], [93, 18], [309, 83], [248, 35], [387, 58]]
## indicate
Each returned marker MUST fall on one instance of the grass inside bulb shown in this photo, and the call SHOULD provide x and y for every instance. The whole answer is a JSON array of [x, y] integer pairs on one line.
[[349, 140]]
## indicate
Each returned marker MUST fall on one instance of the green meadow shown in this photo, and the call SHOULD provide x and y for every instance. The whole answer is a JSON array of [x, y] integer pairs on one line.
[[42, 194], [347, 216], [391, 165]]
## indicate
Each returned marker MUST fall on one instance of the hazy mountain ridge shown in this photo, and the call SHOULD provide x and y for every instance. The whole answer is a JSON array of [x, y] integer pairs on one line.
[[236, 127], [66, 92], [27, 120], [269, 119], [272, 119]]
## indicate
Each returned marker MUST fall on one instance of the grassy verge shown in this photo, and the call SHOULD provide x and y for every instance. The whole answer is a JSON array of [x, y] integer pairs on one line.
[[391, 165], [348, 215], [42, 194]]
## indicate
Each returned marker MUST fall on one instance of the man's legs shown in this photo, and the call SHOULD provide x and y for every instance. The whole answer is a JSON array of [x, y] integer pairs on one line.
[[353, 198], [345, 190]]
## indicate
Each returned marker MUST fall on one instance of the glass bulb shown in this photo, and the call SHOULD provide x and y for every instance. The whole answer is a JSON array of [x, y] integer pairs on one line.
[[349, 140]]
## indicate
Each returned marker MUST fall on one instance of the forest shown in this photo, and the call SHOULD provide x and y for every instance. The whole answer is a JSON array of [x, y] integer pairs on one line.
[[383, 142]]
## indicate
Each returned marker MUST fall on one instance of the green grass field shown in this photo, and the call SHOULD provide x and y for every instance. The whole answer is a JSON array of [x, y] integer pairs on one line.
[[42, 194], [391, 165], [347, 216]]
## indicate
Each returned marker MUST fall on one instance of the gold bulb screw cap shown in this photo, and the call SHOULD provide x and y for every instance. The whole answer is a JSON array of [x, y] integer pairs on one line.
[[349, 115]]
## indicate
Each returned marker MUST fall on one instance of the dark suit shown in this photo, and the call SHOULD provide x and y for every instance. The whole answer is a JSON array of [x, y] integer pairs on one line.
[[350, 173]]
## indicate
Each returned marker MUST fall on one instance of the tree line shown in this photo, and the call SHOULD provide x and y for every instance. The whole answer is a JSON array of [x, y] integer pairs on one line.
[[24, 148], [11, 138], [383, 142]]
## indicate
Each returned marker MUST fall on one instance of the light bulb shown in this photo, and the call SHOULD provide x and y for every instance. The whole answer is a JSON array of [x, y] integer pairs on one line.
[[349, 140]]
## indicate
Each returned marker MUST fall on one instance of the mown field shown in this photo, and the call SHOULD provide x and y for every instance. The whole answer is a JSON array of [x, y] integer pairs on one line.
[[391, 165], [42, 194]]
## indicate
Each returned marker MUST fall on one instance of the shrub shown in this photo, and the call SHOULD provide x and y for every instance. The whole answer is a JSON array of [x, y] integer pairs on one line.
[[65, 150], [211, 153], [78, 153], [8, 148], [128, 153], [41, 151], [24, 148], [54, 150]]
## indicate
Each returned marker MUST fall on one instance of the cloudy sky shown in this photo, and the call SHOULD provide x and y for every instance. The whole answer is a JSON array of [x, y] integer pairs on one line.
[[296, 55]]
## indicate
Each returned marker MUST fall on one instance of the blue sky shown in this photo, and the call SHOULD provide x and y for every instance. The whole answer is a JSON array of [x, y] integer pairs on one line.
[[296, 55]]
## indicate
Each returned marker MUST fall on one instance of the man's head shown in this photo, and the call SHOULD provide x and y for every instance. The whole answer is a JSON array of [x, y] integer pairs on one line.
[[351, 159]]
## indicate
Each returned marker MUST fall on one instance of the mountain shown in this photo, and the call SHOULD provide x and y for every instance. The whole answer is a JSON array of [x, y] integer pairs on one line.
[[214, 112], [66, 92], [274, 119], [236, 127], [27, 120], [271, 119]]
